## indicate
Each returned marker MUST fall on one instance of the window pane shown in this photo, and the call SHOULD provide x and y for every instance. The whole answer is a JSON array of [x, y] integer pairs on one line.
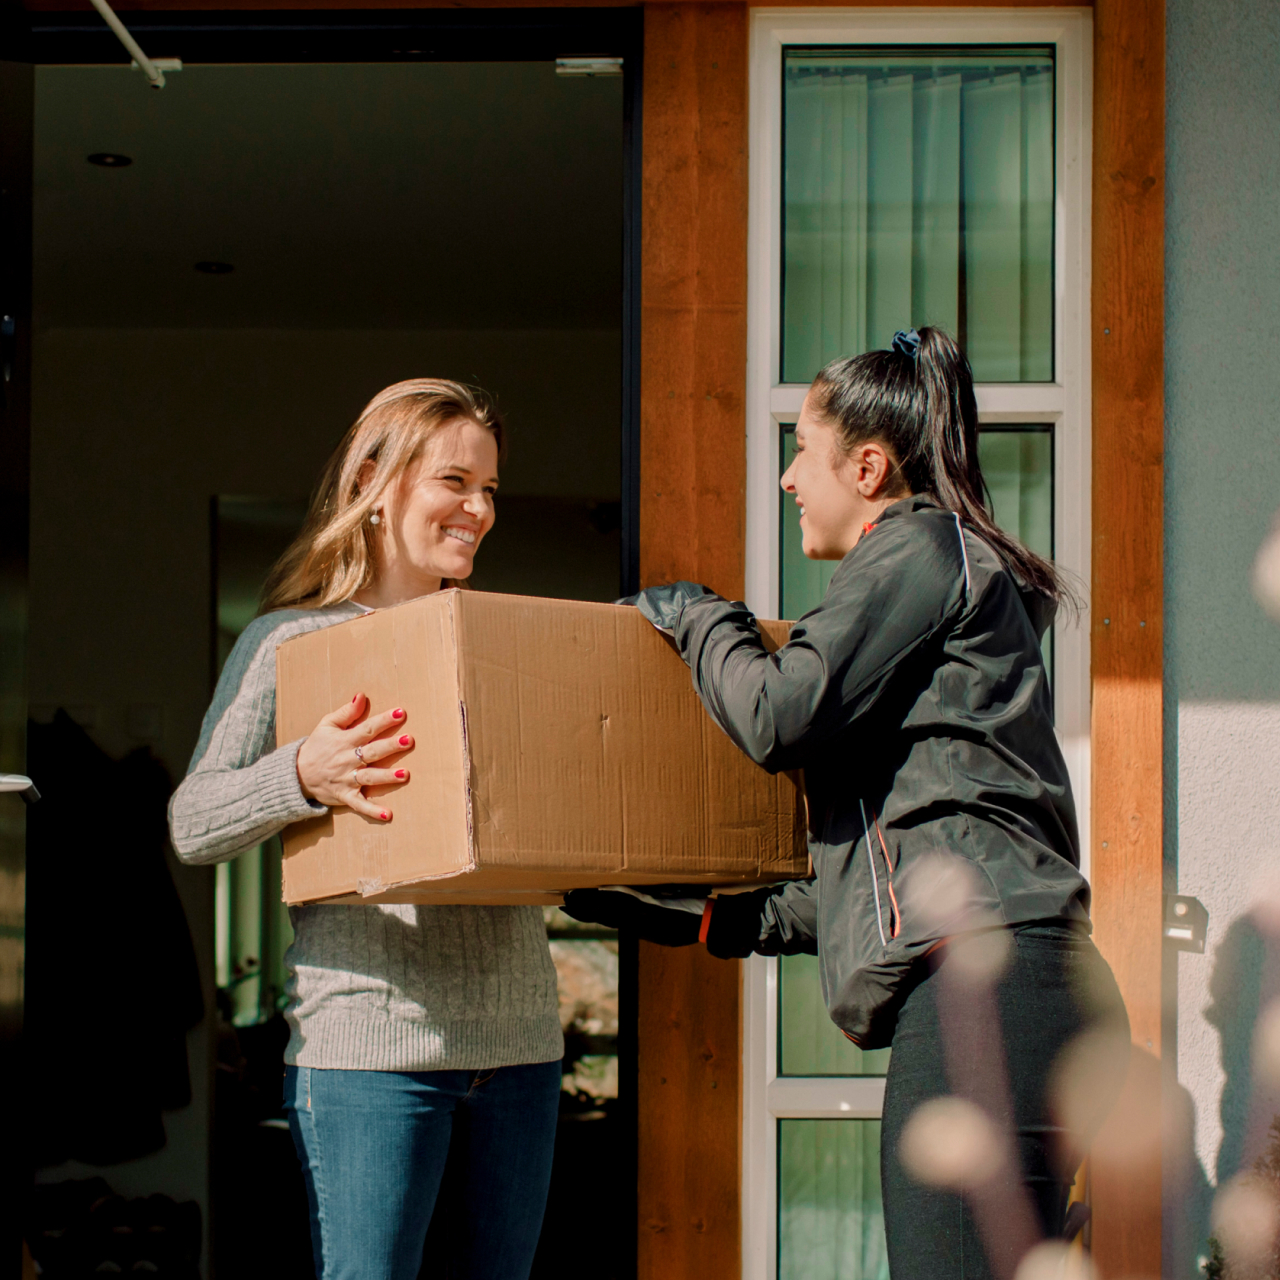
[[830, 1220], [1017, 463], [809, 1043], [801, 582], [918, 189]]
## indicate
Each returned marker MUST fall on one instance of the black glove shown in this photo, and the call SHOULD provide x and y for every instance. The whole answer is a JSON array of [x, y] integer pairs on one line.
[[733, 931], [662, 605], [734, 928], [669, 926]]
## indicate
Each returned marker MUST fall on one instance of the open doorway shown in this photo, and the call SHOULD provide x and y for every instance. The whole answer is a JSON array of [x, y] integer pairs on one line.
[[224, 273]]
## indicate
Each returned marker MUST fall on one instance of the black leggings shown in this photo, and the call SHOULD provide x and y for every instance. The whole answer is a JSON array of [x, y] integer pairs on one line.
[[1056, 986]]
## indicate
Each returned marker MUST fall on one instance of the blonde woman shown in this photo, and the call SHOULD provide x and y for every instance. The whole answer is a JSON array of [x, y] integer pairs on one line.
[[414, 1029]]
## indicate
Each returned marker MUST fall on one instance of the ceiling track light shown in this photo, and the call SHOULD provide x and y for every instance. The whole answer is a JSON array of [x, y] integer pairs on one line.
[[154, 71], [161, 64]]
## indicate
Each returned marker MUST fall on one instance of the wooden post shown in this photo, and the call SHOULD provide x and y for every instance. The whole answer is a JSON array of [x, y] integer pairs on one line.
[[692, 525], [1127, 605]]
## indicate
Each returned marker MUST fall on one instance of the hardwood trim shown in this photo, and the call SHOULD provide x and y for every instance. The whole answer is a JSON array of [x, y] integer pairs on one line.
[[692, 525], [694, 295], [689, 1210], [1127, 604]]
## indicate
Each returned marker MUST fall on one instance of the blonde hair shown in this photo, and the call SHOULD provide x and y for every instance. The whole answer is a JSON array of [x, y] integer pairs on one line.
[[332, 557]]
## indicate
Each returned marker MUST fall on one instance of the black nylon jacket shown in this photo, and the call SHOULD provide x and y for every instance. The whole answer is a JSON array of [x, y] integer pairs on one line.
[[915, 699]]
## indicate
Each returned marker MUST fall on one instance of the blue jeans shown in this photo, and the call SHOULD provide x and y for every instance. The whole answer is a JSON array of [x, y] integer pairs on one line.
[[373, 1146]]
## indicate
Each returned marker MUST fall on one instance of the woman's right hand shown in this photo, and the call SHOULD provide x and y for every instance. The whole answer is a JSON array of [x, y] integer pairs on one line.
[[334, 763]]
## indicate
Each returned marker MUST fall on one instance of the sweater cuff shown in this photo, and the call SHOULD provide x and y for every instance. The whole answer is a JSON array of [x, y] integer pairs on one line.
[[282, 798]]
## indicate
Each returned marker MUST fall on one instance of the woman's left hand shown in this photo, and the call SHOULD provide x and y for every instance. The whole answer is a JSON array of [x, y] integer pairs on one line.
[[337, 760]]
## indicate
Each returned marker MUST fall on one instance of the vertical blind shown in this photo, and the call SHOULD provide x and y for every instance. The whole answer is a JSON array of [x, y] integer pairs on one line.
[[918, 189], [830, 1219], [809, 1043]]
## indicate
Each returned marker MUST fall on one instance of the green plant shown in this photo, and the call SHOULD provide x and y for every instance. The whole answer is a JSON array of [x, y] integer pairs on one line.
[[1267, 1170], [1214, 1266]]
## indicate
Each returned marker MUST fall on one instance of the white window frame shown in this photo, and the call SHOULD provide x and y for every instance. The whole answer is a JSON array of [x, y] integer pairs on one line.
[[1065, 403]]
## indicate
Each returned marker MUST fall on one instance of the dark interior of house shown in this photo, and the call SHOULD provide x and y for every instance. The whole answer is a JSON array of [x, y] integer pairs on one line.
[[224, 274]]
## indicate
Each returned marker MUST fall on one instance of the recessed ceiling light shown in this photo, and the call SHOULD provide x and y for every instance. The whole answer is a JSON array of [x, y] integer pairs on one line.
[[110, 160], [215, 268]]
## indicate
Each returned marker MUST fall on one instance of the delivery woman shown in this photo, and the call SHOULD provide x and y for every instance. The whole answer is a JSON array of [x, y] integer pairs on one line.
[[916, 700], [416, 1031]]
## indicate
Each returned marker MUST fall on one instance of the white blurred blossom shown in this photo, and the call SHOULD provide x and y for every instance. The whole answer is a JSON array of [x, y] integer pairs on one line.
[[1246, 1217], [949, 1142], [1266, 573], [1054, 1260], [1266, 1044]]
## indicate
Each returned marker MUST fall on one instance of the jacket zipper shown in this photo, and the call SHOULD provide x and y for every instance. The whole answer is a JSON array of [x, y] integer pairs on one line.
[[895, 915], [875, 879]]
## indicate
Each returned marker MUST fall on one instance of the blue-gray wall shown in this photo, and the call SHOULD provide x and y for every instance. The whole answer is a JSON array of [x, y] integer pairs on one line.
[[1222, 655]]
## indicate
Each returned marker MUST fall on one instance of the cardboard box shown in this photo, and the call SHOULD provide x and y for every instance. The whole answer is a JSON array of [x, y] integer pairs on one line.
[[558, 745]]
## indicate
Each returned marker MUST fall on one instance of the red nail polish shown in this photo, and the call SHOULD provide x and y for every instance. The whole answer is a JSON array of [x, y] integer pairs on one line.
[[404, 739], [398, 714], [385, 816], [399, 773], [356, 698]]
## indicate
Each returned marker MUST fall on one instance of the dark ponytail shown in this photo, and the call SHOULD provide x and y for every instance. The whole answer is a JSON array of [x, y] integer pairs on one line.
[[923, 408]]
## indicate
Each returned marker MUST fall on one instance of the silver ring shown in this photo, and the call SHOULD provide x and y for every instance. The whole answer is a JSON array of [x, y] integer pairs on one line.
[[360, 754], [355, 777]]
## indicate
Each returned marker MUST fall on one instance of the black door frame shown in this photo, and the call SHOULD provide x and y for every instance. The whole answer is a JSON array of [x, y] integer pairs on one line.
[[16, 103], [376, 35]]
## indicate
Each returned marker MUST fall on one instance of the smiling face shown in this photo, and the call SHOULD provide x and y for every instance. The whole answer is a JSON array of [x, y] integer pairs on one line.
[[435, 514], [837, 493]]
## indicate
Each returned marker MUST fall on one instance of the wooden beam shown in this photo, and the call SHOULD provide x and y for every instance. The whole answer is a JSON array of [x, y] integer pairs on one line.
[[693, 375], [692, 525], [1127, 604], [689, 1205]]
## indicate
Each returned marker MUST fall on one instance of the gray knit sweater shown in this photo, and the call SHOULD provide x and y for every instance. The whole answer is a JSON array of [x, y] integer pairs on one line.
[[383, 988]]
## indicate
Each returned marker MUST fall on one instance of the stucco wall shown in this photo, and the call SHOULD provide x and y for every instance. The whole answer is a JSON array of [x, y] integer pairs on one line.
[[1222, 490]]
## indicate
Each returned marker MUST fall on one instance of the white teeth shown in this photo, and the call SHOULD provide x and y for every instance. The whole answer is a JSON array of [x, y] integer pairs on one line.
[[462, 535]]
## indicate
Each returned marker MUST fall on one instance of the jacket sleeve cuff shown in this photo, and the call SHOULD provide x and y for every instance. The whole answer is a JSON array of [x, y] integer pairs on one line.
[[705, 927]]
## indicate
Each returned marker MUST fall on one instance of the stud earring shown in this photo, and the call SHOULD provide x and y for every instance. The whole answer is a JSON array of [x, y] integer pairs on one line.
[[375, 518]]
